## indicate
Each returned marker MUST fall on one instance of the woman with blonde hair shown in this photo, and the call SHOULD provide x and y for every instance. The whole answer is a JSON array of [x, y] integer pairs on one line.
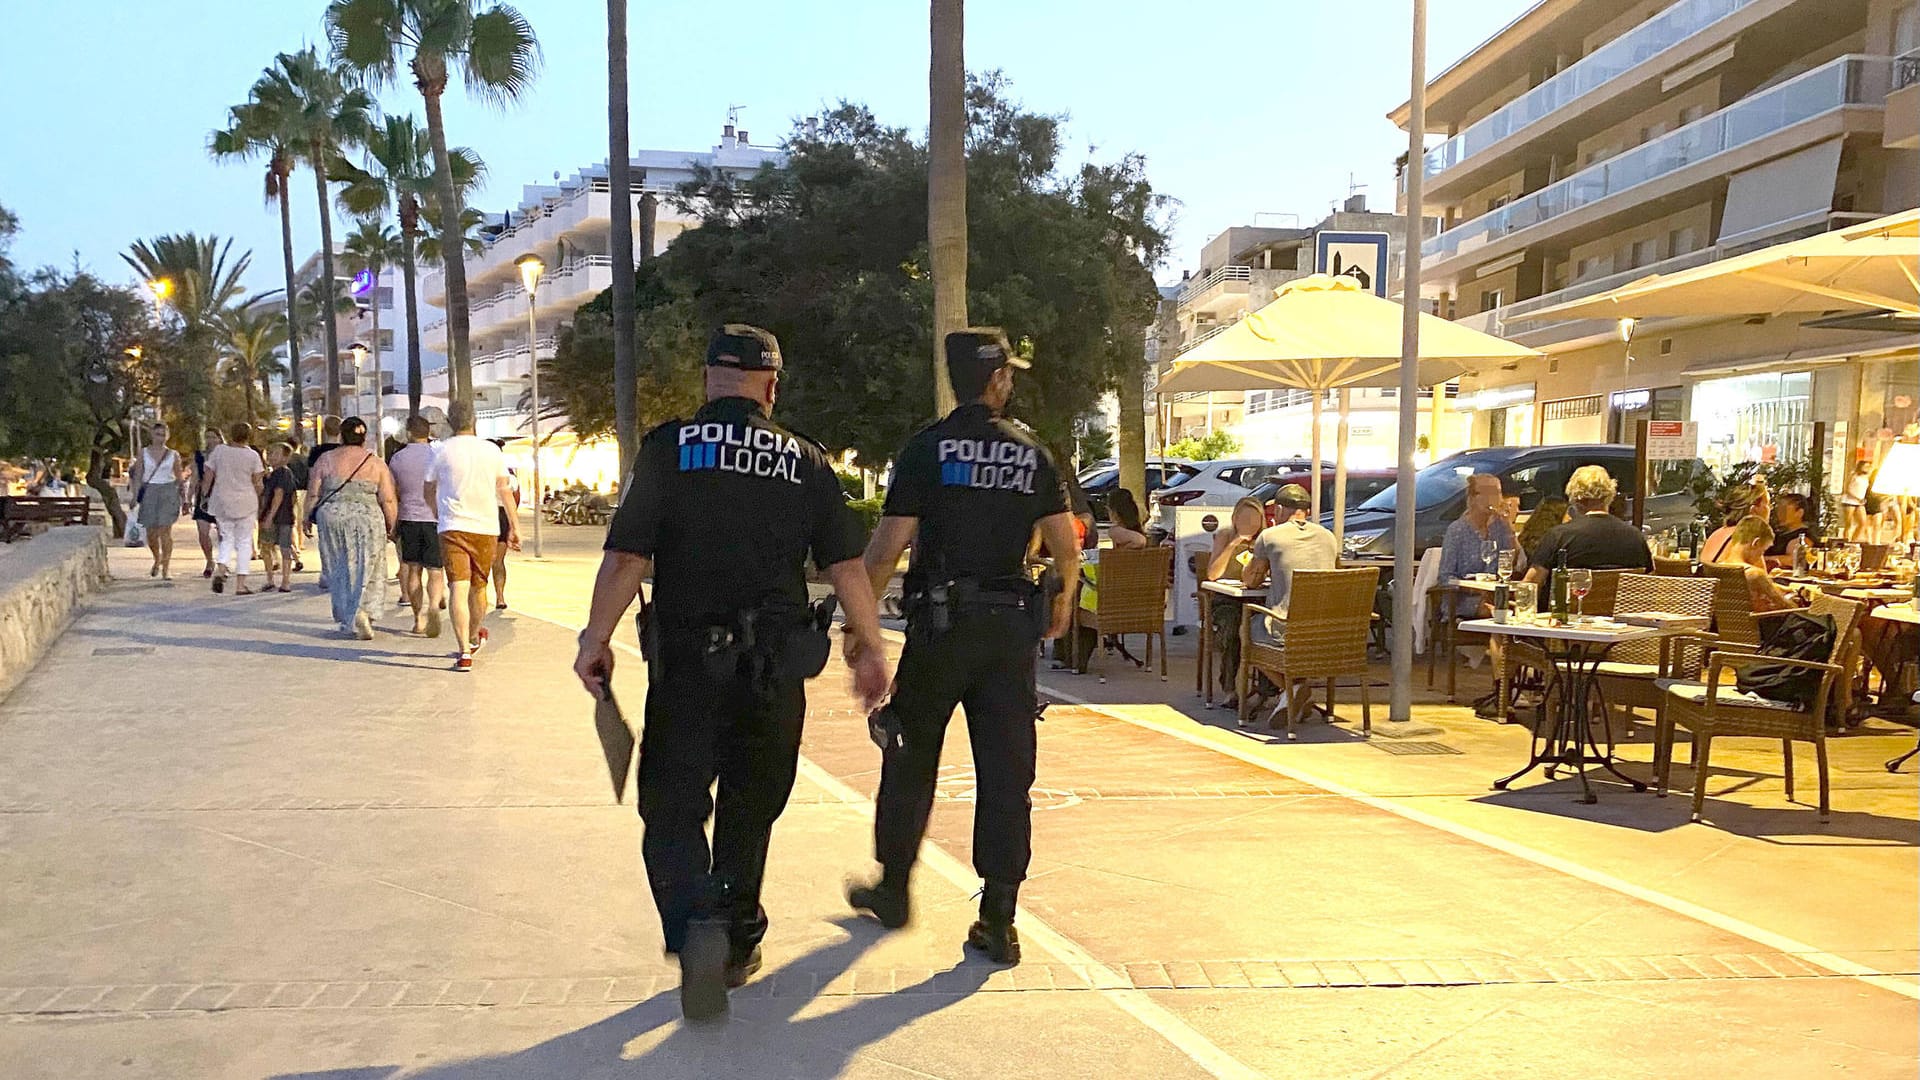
[[1232, 547], [1748, 548]]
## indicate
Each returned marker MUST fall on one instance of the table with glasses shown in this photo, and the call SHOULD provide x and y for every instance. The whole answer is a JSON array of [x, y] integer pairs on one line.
[[1574, 651], [1213, 592]]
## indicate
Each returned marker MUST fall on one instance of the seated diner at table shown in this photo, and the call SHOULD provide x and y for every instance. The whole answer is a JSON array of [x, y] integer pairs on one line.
[[1463, 548], [1549, 515], [1748, 548], [1232, 550], [1791, 528], [1740, 503], [1593, 538], [1296, 543]]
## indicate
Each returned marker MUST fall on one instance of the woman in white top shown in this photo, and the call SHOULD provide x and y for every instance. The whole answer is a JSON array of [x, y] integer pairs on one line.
[[1853, 500], [232, 485], [157, 473]]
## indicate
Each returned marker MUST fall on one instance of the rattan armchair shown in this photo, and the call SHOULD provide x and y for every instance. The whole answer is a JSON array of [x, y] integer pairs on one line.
[[1732, 603], [1706, 709], [1329, 613], [1630, 674], [1131, 599], [1671, 566]]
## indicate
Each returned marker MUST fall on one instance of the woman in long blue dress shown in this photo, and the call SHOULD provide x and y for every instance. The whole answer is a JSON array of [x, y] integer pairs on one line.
[[355, 507]]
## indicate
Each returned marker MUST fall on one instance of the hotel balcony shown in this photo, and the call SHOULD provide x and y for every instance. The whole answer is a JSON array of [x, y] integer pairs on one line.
[[1605, 86], [1831, 101], [497, 319], [1217, 290]]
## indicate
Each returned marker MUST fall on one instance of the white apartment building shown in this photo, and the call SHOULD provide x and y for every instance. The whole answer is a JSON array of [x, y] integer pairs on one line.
[[1594, 142], [359, 396], [568, 225], [1240, 271]]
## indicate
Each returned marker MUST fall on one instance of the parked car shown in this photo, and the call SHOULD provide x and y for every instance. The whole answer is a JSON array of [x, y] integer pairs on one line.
[[1098, 484], [1215, 483], [1362, 484], [1530, 472]]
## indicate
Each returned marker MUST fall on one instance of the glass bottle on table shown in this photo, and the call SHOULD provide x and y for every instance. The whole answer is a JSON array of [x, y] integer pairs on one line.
[[1557, 605]]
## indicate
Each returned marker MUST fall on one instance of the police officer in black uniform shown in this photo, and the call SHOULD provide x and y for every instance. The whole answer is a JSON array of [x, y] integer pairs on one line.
[[967, 493], [722, 510]]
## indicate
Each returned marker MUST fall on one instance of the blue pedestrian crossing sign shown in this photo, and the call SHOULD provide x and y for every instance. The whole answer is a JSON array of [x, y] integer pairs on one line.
[[1358, 255]]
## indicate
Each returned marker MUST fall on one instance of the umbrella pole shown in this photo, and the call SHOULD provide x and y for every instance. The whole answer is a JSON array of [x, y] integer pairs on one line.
[[1340, 469], [1319, 406], [1400, 712]]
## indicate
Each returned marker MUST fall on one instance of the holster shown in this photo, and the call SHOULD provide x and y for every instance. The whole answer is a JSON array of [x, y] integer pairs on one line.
[[652, 649], [770, 645]]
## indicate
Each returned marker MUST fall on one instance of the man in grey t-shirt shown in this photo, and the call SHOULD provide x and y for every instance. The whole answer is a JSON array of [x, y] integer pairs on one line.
[[1294, 544]]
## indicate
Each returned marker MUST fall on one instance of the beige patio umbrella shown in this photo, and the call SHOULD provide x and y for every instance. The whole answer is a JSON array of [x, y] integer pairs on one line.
[[1874, 267], [1323, 333]]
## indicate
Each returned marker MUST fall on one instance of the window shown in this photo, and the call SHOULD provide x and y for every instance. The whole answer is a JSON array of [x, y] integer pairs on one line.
[[1682, 240], [1491, 299], [1593, 266], [1692, 112], [1654, 131]]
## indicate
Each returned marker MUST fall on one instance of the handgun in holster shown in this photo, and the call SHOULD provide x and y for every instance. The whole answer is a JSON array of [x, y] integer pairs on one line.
[[652, 650], [931, 611]]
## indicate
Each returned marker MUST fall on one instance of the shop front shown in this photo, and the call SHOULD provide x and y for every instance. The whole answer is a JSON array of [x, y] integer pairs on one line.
[[1500, 415], [1574, 420], [1626, 408], [1763, 417]]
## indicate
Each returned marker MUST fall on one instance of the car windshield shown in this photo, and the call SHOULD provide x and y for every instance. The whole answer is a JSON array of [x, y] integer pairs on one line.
[[1100, 478], [1176, 477], [1432, 486]]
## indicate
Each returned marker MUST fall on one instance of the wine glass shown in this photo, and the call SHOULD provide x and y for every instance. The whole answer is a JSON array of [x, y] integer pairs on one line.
[[1489, 551], [1852, 557], [1505, 559], [1579, 583]]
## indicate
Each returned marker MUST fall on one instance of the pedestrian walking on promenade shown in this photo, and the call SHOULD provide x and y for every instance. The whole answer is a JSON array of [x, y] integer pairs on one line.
[[276, 517], [297, 465], [468, 487], [968, 492], [157, 476], [202, 517], [509, 511], [722, 510], [329, 441], [351, 492], [423, 580], [233, 483]]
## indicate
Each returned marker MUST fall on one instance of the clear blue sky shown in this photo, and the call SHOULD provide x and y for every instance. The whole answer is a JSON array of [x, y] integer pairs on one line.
[[1243, 108]]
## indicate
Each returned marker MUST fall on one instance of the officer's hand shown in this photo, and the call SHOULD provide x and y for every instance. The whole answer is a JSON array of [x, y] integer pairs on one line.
[[1062, 615], [594, 666], [868, 660]]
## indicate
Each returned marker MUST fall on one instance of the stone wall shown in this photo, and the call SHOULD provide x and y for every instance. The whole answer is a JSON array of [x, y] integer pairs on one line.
[[43, 582]]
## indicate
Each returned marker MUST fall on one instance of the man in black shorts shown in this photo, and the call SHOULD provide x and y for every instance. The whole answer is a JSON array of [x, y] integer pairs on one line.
[[417, 534]]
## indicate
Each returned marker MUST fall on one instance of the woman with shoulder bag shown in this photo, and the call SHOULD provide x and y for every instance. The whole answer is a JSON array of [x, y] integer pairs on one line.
[[158, 475], [355, 506]]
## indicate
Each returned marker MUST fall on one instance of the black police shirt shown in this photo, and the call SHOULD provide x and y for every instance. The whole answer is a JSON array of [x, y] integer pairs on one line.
[[978, 483], [728, 505]]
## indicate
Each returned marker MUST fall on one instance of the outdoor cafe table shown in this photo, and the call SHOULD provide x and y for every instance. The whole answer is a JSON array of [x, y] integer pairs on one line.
[[1575, 653], [1235, 592]]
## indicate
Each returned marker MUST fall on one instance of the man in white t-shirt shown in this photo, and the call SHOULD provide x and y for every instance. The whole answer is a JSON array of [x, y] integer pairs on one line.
[[469, 486], [417, 534]]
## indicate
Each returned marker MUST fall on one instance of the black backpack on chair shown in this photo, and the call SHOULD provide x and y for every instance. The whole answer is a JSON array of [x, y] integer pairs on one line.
[[1799, 636]]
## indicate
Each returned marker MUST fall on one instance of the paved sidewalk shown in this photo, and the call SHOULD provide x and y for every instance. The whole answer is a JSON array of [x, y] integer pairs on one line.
[[417, 873]]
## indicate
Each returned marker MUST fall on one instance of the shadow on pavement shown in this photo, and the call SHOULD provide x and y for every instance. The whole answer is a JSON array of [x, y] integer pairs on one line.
[[1797, 824], [763, 1038]]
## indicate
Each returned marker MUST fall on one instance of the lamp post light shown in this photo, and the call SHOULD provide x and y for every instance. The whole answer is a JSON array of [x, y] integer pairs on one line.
[[530, 270], [359, 351]]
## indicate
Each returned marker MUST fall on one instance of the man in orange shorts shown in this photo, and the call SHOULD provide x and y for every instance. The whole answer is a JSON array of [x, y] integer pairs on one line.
[[468, 487]]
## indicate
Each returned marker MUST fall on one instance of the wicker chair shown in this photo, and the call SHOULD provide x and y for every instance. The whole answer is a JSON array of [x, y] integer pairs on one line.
[[1132, 599], [1631, 671], [1525, 652], [1668, 566], [1329, 615], [1732, 604], [1698, 707]]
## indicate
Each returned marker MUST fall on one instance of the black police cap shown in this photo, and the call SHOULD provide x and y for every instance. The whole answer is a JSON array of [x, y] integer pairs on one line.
[[747, 348], [981, 348]]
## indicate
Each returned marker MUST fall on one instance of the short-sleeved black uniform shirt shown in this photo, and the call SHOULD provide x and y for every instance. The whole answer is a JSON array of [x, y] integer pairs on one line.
[[978, 483], [728, 504], [1597, 541]]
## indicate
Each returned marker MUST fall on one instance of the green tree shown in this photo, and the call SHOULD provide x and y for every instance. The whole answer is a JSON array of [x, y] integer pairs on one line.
[[195, 280], [1209, 447], [251, 335], [370, 249], [399, 174], [269, 125], [497, 57]]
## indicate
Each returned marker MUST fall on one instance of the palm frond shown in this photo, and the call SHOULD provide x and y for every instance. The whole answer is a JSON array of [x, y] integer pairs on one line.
[[501, 57], [365, 35]]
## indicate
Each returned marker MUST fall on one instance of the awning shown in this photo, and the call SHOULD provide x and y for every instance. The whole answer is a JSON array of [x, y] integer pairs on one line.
[[1869, 267], [1749, 365]]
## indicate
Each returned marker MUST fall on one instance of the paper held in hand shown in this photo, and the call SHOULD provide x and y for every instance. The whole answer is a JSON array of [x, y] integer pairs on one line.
[[616, 740]]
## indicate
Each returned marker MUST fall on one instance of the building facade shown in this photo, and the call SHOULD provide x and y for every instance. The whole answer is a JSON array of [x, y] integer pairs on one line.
[[1594, 142]]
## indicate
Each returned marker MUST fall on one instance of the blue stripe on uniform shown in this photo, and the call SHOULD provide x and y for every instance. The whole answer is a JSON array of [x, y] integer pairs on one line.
[[686, 455]]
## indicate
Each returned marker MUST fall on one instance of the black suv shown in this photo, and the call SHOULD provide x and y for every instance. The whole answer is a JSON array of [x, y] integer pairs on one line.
[[1531, 472]]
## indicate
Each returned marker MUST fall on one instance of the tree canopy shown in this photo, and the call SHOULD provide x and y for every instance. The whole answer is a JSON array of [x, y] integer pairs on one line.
[[830, 253]]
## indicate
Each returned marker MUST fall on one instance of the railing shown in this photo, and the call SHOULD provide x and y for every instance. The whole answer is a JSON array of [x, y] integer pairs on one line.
[[576, 265], [1850, 80], [1592, 71], [1224, 273], [1203, 337], [1906, 70]]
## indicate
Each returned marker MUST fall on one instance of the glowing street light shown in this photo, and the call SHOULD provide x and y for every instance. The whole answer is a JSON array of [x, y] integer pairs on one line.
[[162, 289], [531, 268]]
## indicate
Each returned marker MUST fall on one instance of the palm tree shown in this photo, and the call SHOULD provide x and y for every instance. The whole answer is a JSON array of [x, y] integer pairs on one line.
[[497, 55], [371, 248], [263, 126], [327, 115], [626, 421], [251, 334], [399, 174], [433, 250], [322, 301], [947, 184], [196, 278]]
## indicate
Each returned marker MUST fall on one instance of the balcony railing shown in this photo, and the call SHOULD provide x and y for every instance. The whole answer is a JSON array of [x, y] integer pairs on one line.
[[1203, 337], [1226, 273], [1592, 71], [1850, 80], [1906, 70]]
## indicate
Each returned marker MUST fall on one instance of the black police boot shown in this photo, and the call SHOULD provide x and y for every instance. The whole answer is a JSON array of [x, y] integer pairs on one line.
[[993, 933], [703, 970], [885, 899], [742, 966]]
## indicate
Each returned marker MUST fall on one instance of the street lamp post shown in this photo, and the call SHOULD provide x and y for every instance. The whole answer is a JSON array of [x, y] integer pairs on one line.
[[530, 270], [359, 351]]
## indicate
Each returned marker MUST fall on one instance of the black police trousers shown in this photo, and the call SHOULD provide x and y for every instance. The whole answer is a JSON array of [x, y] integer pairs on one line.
[[985, 662], [743, 732]]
